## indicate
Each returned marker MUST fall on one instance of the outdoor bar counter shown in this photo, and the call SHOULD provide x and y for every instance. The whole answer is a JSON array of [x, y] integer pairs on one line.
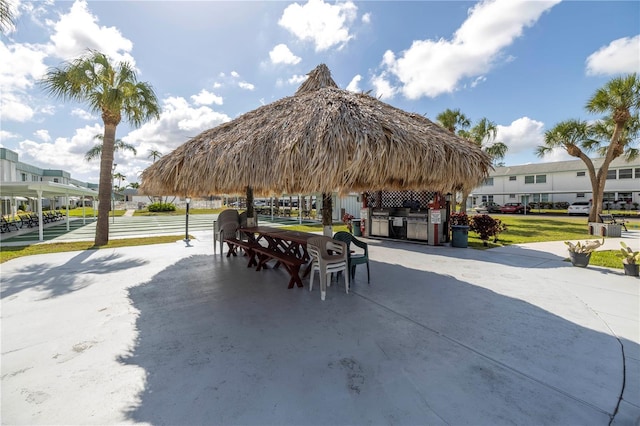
[[418, 218]]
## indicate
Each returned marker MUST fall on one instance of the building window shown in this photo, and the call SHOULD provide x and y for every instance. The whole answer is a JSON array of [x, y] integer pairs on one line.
[[35, 178], [512, 196], [541, 178], [611, 174], [638, 173], [529, 179], [580, 195], [487, 198], [609, 196], [580, 174], [488, 182], [624, 197], [625, 174], [512, 178], [23, 177], [55, 180]]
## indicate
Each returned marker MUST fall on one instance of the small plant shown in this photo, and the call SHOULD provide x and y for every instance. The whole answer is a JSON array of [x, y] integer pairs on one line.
[[161, 207], [584, 247], [348, 220], [628, 256], [459, 218], [486, 227]]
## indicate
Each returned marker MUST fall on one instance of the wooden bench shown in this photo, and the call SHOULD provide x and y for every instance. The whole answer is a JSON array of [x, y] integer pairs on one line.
[[291, 263], [249, 248], [611, 220]]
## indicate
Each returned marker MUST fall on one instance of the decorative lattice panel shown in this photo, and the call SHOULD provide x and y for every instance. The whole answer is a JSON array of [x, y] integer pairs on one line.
[[389, 199]]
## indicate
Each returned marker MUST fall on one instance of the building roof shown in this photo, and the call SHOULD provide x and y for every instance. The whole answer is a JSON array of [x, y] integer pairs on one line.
[[560, 166], [43, 189]]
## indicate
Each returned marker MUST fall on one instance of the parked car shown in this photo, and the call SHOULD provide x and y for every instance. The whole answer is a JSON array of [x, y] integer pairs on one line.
[[489, 207], [514, 208], [580, 207]]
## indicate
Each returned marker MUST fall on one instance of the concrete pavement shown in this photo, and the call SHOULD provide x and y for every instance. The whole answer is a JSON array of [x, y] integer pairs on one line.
[[169, 334]]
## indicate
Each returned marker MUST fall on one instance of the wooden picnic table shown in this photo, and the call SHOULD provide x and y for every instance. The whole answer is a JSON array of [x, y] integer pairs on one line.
[[288, 248]]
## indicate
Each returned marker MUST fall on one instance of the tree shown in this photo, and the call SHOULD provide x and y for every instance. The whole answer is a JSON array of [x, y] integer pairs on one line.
[[620, 99], [484, 134], [453, 120], [134, 185], [154, 154], [118, 145], [6, 17], [115, 92], [120, 177]]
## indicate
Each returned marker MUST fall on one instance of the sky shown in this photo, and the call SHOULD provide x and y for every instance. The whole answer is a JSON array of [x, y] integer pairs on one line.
[[524, 65]]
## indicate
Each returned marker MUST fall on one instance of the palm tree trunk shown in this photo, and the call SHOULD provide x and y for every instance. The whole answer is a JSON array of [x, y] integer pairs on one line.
[[327, 213], [106, 184]]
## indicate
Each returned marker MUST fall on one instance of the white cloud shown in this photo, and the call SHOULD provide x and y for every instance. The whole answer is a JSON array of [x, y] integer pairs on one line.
[[43, 135], [179, 121], [4, 135], [281, 54], [78, 30], [366, 18], [382, 87], [523, 134], [618, 57], [206, 98], [433, 67], [246, 86], [296, 79], [14, 108], [353, 84], [82, 114], [234, 74], [63, 153], [324, 24]]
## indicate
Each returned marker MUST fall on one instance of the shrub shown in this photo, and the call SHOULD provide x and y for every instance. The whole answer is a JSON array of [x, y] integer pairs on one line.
[[161, 207], [486, 227], [459, 218]]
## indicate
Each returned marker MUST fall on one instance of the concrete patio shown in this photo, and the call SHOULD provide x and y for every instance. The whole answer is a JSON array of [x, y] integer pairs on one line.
[[168, 334]]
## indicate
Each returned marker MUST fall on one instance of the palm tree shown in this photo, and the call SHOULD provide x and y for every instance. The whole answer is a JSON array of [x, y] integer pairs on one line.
[[119, 145], [453, 120], [134, 185], [620, 98], [484, 133], [6, 16], [120, 177], [155, 154], [114, 91]]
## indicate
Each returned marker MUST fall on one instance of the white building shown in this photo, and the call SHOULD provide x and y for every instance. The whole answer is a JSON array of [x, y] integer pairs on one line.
[[559, 182]]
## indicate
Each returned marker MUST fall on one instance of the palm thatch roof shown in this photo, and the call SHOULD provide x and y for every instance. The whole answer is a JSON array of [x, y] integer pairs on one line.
[[322, 139]]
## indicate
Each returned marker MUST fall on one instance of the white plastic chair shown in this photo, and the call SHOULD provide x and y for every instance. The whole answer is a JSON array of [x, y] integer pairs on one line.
[[328, 256]]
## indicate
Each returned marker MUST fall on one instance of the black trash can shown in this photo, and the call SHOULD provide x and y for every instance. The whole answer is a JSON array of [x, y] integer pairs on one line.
[[356, 227]]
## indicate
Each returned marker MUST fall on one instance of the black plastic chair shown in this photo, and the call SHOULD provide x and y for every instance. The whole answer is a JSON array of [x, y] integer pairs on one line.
[[356, 258]]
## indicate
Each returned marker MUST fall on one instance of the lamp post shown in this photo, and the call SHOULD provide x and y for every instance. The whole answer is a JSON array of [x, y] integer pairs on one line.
[[186, 233], [113, 196]]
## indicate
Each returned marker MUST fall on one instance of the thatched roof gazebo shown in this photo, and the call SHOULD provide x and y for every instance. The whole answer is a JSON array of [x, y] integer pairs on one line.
[[322, 139]]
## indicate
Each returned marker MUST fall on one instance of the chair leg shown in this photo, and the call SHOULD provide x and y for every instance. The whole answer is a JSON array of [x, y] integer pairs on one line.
[[323, 286], [346, 281], [313, 272], [368, 278]]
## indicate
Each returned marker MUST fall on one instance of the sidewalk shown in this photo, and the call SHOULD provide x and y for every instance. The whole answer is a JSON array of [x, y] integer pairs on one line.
[[172, 334]]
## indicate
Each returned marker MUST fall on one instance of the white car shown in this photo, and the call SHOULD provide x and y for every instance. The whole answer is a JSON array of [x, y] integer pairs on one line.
[[580, 207]]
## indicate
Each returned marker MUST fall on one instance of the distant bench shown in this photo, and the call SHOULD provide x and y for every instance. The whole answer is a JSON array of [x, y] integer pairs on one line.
[[609, 219]]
